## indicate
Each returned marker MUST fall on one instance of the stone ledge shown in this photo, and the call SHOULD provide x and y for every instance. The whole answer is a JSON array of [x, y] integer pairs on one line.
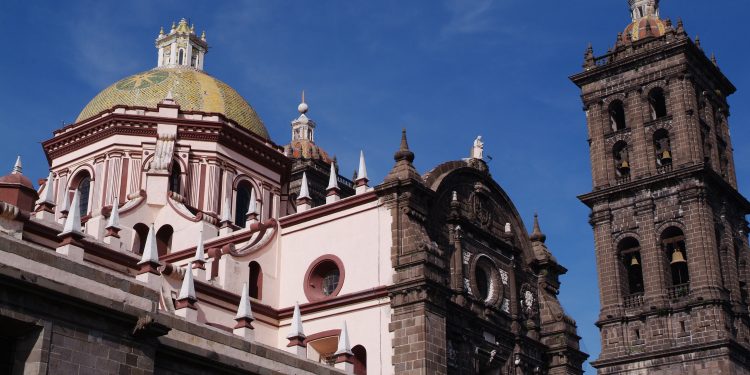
[[43, 272]]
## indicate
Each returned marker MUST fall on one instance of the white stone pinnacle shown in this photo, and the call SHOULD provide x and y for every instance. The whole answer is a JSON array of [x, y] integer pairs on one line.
[[73, 221], [18, 167], [200, 253], [244, 310], [187, 290], [304, 190], [296, 328], [362, 171], [253, 206], [66, 201], [114, 216], [227, 214], [332, 179], [344, 347], [49, 190], [150, 252]]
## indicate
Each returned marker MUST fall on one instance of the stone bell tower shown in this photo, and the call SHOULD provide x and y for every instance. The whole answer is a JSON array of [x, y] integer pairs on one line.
[[669, 223]]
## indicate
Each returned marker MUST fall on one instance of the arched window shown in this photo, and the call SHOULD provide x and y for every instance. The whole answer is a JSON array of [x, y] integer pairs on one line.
[[242, 203], [256, 280], [617, 116], [175, 178], [622, 159], [139, 238], [629, 249], [662, 147], [180, 57], [164, 239], [673, 245], [82, 183], [84, 188], [658, 103], [360, 360]]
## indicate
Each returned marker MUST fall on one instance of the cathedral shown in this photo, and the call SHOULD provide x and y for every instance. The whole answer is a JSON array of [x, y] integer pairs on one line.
[[669, 223], [174, 236]]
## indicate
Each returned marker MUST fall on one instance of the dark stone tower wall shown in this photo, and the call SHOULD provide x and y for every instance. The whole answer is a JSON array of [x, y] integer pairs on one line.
[[677, 319]]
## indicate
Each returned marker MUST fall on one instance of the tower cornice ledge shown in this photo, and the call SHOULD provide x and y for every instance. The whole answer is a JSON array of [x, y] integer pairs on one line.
[[608, 66], [698, 170], [677, 356]]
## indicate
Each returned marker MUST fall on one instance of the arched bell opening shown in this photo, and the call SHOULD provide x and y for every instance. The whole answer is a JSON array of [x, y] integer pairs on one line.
[[674, 249], [617, 116], [621, 156], [663, 148], [657, 103]]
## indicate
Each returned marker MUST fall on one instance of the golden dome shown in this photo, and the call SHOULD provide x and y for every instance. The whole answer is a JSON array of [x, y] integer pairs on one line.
[[192, 89]]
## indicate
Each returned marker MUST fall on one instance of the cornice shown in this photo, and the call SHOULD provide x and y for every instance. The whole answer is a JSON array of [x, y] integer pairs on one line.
[[678, 173], [328, 209], [76, 136]]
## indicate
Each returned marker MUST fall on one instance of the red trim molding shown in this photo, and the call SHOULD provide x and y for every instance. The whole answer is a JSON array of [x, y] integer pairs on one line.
[[308, 308], [328, 209]]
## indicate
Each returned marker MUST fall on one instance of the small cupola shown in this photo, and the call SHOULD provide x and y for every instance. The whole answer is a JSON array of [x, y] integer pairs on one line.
[[181, 47], [17, 189]]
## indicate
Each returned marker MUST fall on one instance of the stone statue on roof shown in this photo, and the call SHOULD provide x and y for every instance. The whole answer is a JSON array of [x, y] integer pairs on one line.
[[477, 151]]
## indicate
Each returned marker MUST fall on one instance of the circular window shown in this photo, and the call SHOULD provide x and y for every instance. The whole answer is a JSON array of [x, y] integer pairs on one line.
[[324, 278], [485, 280]]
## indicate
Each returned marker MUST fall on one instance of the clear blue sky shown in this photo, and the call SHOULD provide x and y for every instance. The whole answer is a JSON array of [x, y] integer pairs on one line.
[[447, 70]]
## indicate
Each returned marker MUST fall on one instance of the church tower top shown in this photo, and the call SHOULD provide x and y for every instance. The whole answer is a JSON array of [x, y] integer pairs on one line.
[[181, 47]]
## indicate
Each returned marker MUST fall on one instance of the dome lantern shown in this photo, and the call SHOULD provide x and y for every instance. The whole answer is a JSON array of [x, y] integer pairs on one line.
[[646, 22], [182, 47], [303, 128], [643, 8]]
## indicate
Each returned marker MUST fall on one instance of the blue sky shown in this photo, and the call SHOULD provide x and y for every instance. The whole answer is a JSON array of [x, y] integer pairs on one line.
[[447, 70]]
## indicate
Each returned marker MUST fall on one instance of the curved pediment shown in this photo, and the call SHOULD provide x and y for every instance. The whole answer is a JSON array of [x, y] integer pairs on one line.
[[467, 195]]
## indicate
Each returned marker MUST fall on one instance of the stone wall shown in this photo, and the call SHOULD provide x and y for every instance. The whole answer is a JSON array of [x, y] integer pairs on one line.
[[67, 318]]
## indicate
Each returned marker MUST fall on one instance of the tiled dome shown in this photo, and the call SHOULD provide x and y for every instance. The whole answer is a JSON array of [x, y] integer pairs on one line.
[[305, 149], [644, 28], [192, 89]]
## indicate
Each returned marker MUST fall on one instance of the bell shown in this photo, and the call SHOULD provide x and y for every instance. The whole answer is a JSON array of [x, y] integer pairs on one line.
[[677, 257], [666, 156], [625, 166], [634, 262]]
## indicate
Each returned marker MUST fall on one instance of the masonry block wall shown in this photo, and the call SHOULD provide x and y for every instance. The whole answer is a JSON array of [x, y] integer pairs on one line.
[[61, 317], [669, 224]]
